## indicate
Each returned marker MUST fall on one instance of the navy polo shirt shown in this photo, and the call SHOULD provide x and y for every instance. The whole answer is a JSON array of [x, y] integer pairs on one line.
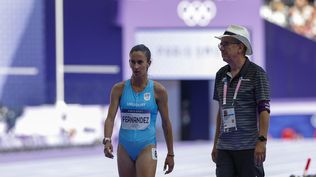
[[254, 88]]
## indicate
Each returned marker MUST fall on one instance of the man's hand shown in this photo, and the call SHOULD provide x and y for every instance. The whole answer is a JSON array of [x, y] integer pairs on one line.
[[260, 153], [214, 154]]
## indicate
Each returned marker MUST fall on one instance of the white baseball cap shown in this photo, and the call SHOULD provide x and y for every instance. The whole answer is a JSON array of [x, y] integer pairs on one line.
[[240, 33]]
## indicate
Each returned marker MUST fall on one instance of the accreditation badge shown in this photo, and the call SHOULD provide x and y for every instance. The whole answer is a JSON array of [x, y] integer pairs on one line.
[[229, 119]]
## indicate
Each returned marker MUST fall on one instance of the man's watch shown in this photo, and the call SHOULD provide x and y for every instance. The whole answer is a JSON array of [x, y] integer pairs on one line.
[[262, 138]]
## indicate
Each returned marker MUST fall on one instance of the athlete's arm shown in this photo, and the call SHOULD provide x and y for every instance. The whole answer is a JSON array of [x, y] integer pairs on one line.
[[116, 93], [162, 102]]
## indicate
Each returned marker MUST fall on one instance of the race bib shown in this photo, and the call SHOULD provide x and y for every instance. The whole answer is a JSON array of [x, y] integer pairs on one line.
[[135, 119], [229, 119], [154, 153]]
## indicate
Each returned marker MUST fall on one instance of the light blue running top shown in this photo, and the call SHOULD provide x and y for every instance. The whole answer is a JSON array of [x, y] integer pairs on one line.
[[138, 118]]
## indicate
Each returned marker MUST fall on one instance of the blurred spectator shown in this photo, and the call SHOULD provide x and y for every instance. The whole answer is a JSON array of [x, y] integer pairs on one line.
[[275, 12], [297, 15], [311, 25]]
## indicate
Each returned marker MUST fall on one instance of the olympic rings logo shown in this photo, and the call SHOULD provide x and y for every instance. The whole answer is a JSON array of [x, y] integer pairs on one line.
[[196, 13]]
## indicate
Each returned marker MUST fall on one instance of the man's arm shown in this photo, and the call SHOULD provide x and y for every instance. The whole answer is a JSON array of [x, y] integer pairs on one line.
[[217, 130], [264, 119], [260, 150]]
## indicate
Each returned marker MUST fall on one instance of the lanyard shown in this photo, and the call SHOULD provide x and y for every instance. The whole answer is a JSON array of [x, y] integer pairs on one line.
[[235, 93]]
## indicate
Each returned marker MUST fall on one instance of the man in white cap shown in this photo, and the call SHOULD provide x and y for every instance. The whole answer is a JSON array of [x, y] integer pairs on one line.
[[242, 91]]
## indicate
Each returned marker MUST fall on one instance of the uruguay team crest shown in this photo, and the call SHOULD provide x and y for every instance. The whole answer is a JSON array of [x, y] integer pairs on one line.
[[147, 96]]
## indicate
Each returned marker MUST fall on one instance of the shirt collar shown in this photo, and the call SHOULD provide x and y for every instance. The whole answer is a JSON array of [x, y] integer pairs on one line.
[[242, 71]]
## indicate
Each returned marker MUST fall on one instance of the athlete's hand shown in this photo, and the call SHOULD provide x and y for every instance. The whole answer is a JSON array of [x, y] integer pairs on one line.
[[169, 164], [108, 150]]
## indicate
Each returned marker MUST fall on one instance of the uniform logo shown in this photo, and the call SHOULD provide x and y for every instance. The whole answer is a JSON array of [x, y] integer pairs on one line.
[[245, 79], [147, 96]]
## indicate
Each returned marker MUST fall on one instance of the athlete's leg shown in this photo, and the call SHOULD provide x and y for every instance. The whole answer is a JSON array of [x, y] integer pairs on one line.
[[126, 166], [146, 162]]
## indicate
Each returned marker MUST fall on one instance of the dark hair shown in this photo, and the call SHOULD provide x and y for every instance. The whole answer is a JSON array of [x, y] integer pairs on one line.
[[142, 48]]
